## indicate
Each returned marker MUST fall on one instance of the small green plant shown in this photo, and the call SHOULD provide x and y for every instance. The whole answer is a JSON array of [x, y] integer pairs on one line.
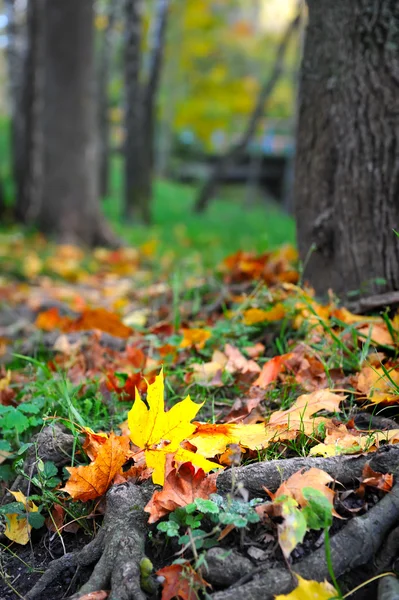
[[198, 524]]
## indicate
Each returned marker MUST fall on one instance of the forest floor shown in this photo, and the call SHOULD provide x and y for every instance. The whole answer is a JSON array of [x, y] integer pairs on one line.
[[279, 470]]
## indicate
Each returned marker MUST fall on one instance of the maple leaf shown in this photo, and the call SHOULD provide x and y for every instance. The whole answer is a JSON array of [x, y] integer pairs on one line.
[[300, 416], [182, 486], [314, 478], [18, 527], [181, 581], [93, 442], [377, 386], [308, 589], [371, 478], [160, 433], [92, 481], [212, 439]]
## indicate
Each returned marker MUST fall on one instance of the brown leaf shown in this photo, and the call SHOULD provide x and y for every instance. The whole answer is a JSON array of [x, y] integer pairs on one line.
[[181, 581], [182, 486]]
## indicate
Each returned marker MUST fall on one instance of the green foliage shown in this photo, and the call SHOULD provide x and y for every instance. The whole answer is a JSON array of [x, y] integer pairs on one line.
[[205, 518]]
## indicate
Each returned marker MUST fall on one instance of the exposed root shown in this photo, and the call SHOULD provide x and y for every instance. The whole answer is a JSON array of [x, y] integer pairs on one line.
[[270, 474], [51, 444], [118, 548], [354, 545]]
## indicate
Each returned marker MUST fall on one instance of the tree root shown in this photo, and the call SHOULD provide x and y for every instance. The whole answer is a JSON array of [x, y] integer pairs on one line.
[[355, 545], [270, 474], [118, 548], [52, 444]]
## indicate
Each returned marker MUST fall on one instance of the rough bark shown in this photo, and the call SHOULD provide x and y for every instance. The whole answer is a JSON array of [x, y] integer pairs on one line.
[[209, 187], [347, 168], [105, 55], [61, 197], [140, 108], [29, 150], [133, 109], [16, 53]]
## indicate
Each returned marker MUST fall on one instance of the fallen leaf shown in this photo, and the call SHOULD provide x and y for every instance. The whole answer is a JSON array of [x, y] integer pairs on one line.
[[213, 439], [195, 337], [180, 581], [160, 433], [182, 486], [300, 416], [257, 315], [308, 589], [314, 478], [377, 387], [17, 526], [270, 371], [237, 363], [92, 481], [99, 318]]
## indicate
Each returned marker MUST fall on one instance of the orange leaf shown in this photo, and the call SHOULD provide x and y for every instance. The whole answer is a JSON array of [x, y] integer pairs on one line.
[[49, 320], [314, 478], [270, 371], [94, 480], [382, 481], [180, 581], [99, 318], [194, 337], [182, 486]]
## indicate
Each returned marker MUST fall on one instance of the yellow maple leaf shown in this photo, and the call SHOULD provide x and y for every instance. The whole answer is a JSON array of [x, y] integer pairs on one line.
[[195, 337], [18, 528], [212, 439], [160, 433], [308, 589]]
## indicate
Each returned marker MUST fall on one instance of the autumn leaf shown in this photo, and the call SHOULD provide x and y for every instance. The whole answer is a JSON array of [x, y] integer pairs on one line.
[[300, 416], [102, 319], [371, 478], [195, 337], [18, 527], [182, 486], [160, 433], [270, 371], [50, 319], [314, 478], [213, 439], [258, 315], [93, 442], [377, 386], [92, 481], [180, 581], [308, 589]]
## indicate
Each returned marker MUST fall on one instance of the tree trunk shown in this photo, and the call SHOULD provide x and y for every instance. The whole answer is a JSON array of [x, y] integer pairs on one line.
[[16, 53], [140, 109], [105, 56], [66, 204], [208, 189], [28, 173], [134, 129], [347, 167]]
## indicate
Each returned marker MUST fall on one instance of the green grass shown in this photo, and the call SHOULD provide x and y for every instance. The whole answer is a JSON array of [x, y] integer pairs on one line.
[[227, 226]]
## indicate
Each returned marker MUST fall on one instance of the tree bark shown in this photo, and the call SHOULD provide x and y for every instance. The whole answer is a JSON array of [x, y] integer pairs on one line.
[[347, 167], [28, 171], [65, 203], [233, 154], [140, 108], [105, 56], [134, 130]]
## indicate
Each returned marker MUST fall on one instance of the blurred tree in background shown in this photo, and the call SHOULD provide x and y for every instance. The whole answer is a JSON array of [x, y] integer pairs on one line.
[[159, 83]]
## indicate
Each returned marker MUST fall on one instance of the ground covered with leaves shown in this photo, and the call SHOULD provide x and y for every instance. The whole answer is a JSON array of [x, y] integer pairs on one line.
[[176, 432]]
